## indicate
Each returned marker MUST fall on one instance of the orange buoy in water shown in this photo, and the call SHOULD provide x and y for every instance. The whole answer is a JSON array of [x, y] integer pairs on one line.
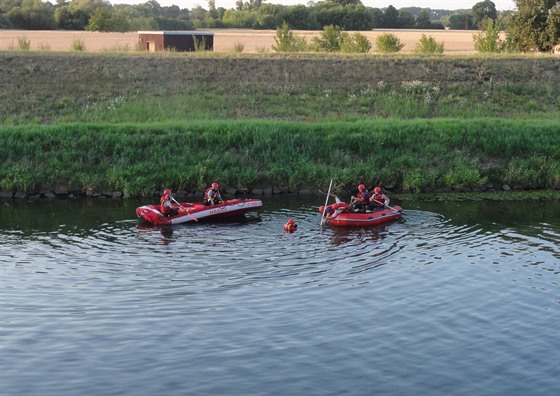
[[290, 226]]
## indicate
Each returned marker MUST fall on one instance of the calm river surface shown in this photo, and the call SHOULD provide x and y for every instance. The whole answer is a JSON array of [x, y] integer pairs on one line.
[[456, 299]]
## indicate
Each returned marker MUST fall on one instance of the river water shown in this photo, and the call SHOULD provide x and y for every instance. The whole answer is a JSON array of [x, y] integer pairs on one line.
[[455, 299]]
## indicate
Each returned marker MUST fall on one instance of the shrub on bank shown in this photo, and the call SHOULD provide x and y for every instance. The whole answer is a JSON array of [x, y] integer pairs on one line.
[[429, 46], [388, 43]]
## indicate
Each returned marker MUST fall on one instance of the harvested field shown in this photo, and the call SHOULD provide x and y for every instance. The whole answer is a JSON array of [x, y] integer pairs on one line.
[[455, 42]]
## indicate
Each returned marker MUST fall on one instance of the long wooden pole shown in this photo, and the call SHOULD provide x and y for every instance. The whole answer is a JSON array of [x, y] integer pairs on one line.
[[326, 201]]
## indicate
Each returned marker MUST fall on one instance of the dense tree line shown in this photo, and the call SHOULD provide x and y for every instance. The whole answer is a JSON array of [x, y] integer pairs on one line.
[[251, 14], [534, 26]]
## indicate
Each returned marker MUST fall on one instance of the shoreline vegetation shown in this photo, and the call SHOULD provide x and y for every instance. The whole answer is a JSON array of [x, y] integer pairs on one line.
[[130, 125], [410, 156]]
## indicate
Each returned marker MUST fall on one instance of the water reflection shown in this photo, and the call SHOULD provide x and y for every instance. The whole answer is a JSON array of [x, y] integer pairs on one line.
[[341, 235], [166, 233], [452, 288]]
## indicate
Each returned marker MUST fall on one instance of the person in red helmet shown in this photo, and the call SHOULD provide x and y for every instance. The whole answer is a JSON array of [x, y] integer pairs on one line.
[[212, 195], [360, 202], [290, 226], [332, 211], [379, 200], [166, 204]]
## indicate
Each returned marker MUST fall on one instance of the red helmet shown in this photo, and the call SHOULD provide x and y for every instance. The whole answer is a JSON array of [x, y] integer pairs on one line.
[[361, 187], [291, 221], [377, 190], [215, 185], [322, 208], [166, 192]]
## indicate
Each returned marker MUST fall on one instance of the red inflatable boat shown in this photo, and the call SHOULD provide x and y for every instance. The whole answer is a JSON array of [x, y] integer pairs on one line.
[[350, 219], [193, 212]]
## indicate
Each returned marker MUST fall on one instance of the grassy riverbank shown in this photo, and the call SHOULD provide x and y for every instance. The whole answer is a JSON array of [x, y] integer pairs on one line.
[[47, 88], [410, 156], [139, 122]]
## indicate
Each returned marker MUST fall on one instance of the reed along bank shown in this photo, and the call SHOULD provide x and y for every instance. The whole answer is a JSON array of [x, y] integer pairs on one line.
[[137, 123]]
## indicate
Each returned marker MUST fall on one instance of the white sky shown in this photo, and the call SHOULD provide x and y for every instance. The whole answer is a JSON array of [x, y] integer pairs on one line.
[[433, 4]]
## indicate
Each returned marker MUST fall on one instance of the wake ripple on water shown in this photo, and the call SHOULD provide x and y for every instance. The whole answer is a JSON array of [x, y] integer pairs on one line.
[[323, 309], [258, 250]]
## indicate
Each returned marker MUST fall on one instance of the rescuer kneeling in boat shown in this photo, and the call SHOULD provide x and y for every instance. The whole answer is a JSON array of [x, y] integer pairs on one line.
[[360, 202], [167, 207], [212, 195], [379, 200]]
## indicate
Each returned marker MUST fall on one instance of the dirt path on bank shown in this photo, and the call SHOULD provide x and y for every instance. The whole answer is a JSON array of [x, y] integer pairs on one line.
[[455, 42]]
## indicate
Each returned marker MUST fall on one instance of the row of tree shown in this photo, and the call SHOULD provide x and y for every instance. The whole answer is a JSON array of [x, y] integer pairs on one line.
[[535, 25], [252, 14]]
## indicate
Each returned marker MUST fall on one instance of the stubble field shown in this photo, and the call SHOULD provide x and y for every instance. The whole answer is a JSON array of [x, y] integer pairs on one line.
[[225, 40]]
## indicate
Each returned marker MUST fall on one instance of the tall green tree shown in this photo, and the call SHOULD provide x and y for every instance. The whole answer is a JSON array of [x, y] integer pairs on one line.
[[535, 25], [460, 21], [100, 21], [344, 2], [483, 11], [377, 16], [423, 21], [244, 19], [357, 18], [108, 19], [553, 26], [75, 15], [406, 20], [300, 17], [391, 17], [347, 15], [32, 14], [329, 14], [198, 16]]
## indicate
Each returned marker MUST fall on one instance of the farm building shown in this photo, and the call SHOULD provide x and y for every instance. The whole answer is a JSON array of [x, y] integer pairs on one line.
[[182, 41]]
